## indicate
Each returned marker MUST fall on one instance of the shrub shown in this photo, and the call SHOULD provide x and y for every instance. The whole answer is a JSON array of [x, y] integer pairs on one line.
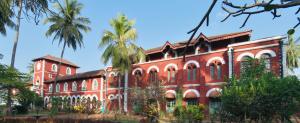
[[189, 113], [20, 109]]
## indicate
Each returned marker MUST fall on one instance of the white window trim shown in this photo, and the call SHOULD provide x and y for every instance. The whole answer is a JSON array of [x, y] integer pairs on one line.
[[215, 59], [191, 62], [93, 84], [53, 67], [68, 73]]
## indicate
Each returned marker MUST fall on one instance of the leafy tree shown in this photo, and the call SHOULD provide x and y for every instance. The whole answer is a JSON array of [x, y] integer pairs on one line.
[[67, 26], [5, 14], [121, 49], [292, 51], [259, 95], [10, 78]]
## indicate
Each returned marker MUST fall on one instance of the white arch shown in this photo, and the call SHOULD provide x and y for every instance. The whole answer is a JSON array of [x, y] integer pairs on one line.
[[153, 67], [192, 90], [239, 58], [212, 90], [171, 91], [191, 62], [271, 52], [111, 97], [137, 69], [109, 75], [46, 98], [171, 65], [215, 58]]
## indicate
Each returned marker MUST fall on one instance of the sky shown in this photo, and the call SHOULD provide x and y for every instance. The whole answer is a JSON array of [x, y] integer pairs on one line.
[[157, 21]]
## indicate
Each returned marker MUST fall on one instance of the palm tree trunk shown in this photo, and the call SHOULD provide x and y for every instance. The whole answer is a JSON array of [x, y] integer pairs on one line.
[[12, 64], [125, 91], [58, 69], [119, 93]]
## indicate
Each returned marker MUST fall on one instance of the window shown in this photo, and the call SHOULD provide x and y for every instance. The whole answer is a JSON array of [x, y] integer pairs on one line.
[[95, 85], [138, 77], [266, 60], [153, 76], [83, 85], [244, 63], [50, 75], [37, 83], [170, 105], [65, 87], [214, 105], [50, 88], [74, 86], [219, 70], [113, 81], [212, 71], [171, 74], [54, 67], [191, 72], [192, 101], [57, 88], [68, 71]]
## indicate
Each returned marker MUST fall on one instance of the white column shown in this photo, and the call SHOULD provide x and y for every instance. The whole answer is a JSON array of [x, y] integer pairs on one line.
[[283, 52], [125, 91], [230, 61], [101, 92]]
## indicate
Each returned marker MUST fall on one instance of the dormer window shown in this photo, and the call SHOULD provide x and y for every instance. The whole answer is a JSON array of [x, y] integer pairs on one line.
[[68, 71], [54, 68]]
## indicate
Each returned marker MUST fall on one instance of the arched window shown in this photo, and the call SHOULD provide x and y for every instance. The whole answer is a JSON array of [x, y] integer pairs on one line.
[[244, 63], [137, 77], [83, 85], [267, 60], [74, 86], [50, 88], [57, 88], [171, 74], [68, 71], [54, 67], [65, 87], [212, 71], [37, 82], [219, 71], [153, 75], [113, 81], [95, 85], [191, 72]]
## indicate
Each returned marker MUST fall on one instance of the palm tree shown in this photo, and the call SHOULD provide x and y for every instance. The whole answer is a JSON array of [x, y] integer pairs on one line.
[[292, 51], [121, 49], [67, 26], [5, 16], [36, 7]]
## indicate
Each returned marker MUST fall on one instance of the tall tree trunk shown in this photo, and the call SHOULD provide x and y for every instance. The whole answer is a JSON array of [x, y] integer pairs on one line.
[[125, 91], [58, 69], [12, 63], [119, 93]]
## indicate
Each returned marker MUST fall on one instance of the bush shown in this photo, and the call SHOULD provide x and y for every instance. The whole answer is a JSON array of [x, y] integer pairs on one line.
[[189, 113], [19, 109]]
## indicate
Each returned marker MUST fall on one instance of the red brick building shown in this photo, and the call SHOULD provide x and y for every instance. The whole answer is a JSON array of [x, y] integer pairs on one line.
[[209, 61]]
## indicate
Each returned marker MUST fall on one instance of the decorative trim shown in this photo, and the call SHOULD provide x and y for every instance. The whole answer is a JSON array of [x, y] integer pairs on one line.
[[170, 86], [213, 89], [257, 41], [191, 85], [153, 67], [239, 58], [215, 83], [191, 62], [270, 52], [193, 91], [136, 69], [215, 58], [171, 65], [258, 47], [187, 56]]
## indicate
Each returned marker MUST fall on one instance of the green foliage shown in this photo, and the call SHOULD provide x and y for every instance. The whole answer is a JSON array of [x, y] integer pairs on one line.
[[55, 103], [189, 113], [120, 45], [67, 25], [260, 95], [292, 51], [5, 14]]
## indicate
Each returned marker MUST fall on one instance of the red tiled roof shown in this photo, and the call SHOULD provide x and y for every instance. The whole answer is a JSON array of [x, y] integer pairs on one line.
[[56, 59], [89, 74], [209, 39]]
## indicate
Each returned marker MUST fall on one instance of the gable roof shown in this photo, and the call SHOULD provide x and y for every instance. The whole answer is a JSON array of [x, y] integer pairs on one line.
[[56, 59], [201, 35], [84, 75]]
